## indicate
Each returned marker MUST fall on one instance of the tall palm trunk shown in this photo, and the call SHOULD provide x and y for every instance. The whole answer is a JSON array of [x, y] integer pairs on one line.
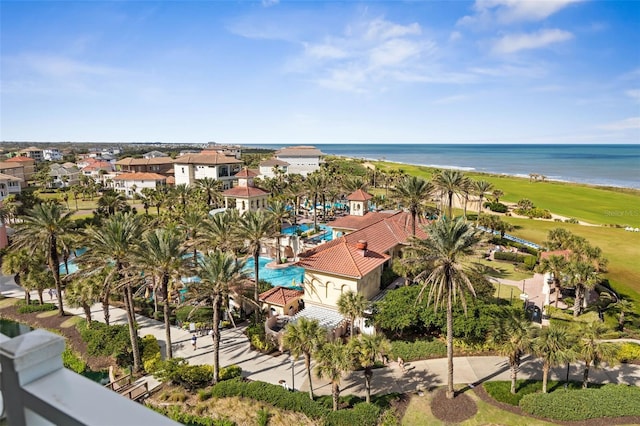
[[514, 377], [133, 332], [414, 213], [105, 304], [545, 376], [368, 373], [450, 392], [216, 338], [450, 205], [256, 269], [558, 288], [315, 215], [54, 267], [585, 376], [278, 260], [335, 391], [166, 311], [479, 209], [307, 364], [577, 303], [87, 313]]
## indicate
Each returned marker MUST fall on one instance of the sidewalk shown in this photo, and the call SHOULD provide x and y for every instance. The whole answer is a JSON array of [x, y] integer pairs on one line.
[[234, 349]]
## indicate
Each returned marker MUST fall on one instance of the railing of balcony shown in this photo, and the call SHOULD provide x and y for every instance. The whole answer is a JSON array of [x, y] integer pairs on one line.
[[37, 390]]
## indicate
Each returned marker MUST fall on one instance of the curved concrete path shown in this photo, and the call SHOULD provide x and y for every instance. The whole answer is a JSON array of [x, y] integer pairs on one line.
[[234, 349]]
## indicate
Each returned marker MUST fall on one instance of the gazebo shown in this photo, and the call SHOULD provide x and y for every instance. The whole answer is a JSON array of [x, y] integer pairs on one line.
[[246, 195]]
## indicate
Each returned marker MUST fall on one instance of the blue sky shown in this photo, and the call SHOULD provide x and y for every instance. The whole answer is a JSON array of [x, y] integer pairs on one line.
[[502, 71]]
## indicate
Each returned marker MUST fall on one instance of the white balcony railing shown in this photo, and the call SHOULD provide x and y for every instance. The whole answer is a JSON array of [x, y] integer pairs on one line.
[[38, 390]]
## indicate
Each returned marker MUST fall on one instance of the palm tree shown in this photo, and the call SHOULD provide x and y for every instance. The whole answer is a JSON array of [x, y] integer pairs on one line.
[[332, 360], [253, 227], [182, 193], [352, 306], [313, 186], [19, 263], [557, 266], [211, 187], [220, 273], [192, 223], [42, 227], [481, 187], [38, 278], [162, 253], [622, 306], [554, 346], [413, 192], [449, 182], [366, 350], [592, 350], [304, 337], [279, 213], [514, 338], [497, 194], [220, 230], [112, 246], [111, 202], [584, 276], [84, 292], [448, 241]]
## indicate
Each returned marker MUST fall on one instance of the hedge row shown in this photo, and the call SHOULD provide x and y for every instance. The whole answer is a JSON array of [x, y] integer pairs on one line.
[[190, 377], [174, 413], [512, 257], [35, 307], [420, 349], [360, 414], [571, 405]]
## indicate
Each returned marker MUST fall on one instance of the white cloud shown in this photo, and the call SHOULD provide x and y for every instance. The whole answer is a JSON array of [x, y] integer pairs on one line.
[[489, 12], [455, 36], [512, 43], [450, 99], [380, 29], [626, 124], [59, 66], [269, 3], [393, 52], [510, 70], [325, 51], [633, 94]]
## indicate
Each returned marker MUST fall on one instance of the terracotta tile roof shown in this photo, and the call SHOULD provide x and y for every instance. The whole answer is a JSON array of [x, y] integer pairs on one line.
[[211, 159], [359, 195], [342, 257], [171, 180], [358, 222], [139, 176], [299, 151], [273, 162], [280, 296], [20, 159], [564, 253], [246, 173], [244, 191], [144, 161], [98, 165]]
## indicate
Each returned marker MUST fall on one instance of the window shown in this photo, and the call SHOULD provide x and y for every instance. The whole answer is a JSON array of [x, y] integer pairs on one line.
[[244, 206], [182, 169]]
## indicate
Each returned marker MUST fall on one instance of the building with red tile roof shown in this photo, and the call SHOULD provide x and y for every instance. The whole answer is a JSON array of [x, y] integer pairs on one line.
[[245, 196], [190, 168], [281, 300], [28, 165]]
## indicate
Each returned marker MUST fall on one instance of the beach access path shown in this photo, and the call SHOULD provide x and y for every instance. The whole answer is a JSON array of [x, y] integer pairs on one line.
[[417, 375]]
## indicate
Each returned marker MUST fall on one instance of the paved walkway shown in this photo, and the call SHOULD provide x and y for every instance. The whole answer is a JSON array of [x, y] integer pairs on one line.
[[234, 349]]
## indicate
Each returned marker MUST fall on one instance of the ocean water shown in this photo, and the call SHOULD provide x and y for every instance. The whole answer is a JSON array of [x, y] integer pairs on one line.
[[609, 165]]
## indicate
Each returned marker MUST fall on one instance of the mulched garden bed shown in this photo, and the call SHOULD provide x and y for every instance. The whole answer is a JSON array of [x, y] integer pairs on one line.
[[455, 410], [54, 322]]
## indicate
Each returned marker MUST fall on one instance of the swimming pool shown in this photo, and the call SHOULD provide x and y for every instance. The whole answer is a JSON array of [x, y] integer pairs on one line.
[[282, 277], [326, 232]]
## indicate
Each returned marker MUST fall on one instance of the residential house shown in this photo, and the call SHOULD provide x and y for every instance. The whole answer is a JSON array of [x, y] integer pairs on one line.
[[269, 168], [97, 170], [36, 154], [159, 165], [14, 169], [52, 154], [9, 185], [134, 183], [28, 164], [64, 176], [301, 159], [228, 150], [245, 196], [154, 154], [191, 167]]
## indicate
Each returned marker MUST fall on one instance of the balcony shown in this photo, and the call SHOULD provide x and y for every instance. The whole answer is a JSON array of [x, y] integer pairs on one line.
[[38, 390]]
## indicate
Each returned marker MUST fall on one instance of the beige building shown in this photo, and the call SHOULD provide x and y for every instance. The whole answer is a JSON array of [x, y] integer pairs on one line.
[[190, 168], [245, 196], [28, 164], [159, 165], [13, 169]]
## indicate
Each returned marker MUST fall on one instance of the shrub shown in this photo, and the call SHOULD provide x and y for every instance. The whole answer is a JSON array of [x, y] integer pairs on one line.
[[496, 207], [230, 372], [573, 405], [572, 220], [388, 275], [530, 262], [150, 355], [72, 361], [535, 212], [193, 314], [178, 371], [35, 306], [107, 340], [420, 349], [174, 413], [629, 352], [262, 417], [362, 414], [508, 256]]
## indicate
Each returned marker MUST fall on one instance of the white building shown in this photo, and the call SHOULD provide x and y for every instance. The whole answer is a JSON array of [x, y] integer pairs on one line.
[[154, 154], [9, 185], [64, 175], [245, 196], [301, 159], [134, 183], [269, 167], [52, 154], [192, 167]]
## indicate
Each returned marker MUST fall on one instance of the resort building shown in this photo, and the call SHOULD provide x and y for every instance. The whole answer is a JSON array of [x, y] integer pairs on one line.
[[36, 154], [154, 154], [134, 183], [9, 185], [245, 195], [13, 169], [64, 176], [97, 170], [300, 159], [191, 167], [359, 215], [158, 165], [28, 165], [282, 301], [269, 168], [52, 154]]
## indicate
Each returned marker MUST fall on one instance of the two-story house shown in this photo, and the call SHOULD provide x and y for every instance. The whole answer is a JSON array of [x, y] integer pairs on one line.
[[192, 167], [159, 165], [300, 159]]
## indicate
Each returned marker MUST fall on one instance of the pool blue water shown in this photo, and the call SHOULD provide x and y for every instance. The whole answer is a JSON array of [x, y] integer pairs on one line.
[[326, 231], [283, 277]]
